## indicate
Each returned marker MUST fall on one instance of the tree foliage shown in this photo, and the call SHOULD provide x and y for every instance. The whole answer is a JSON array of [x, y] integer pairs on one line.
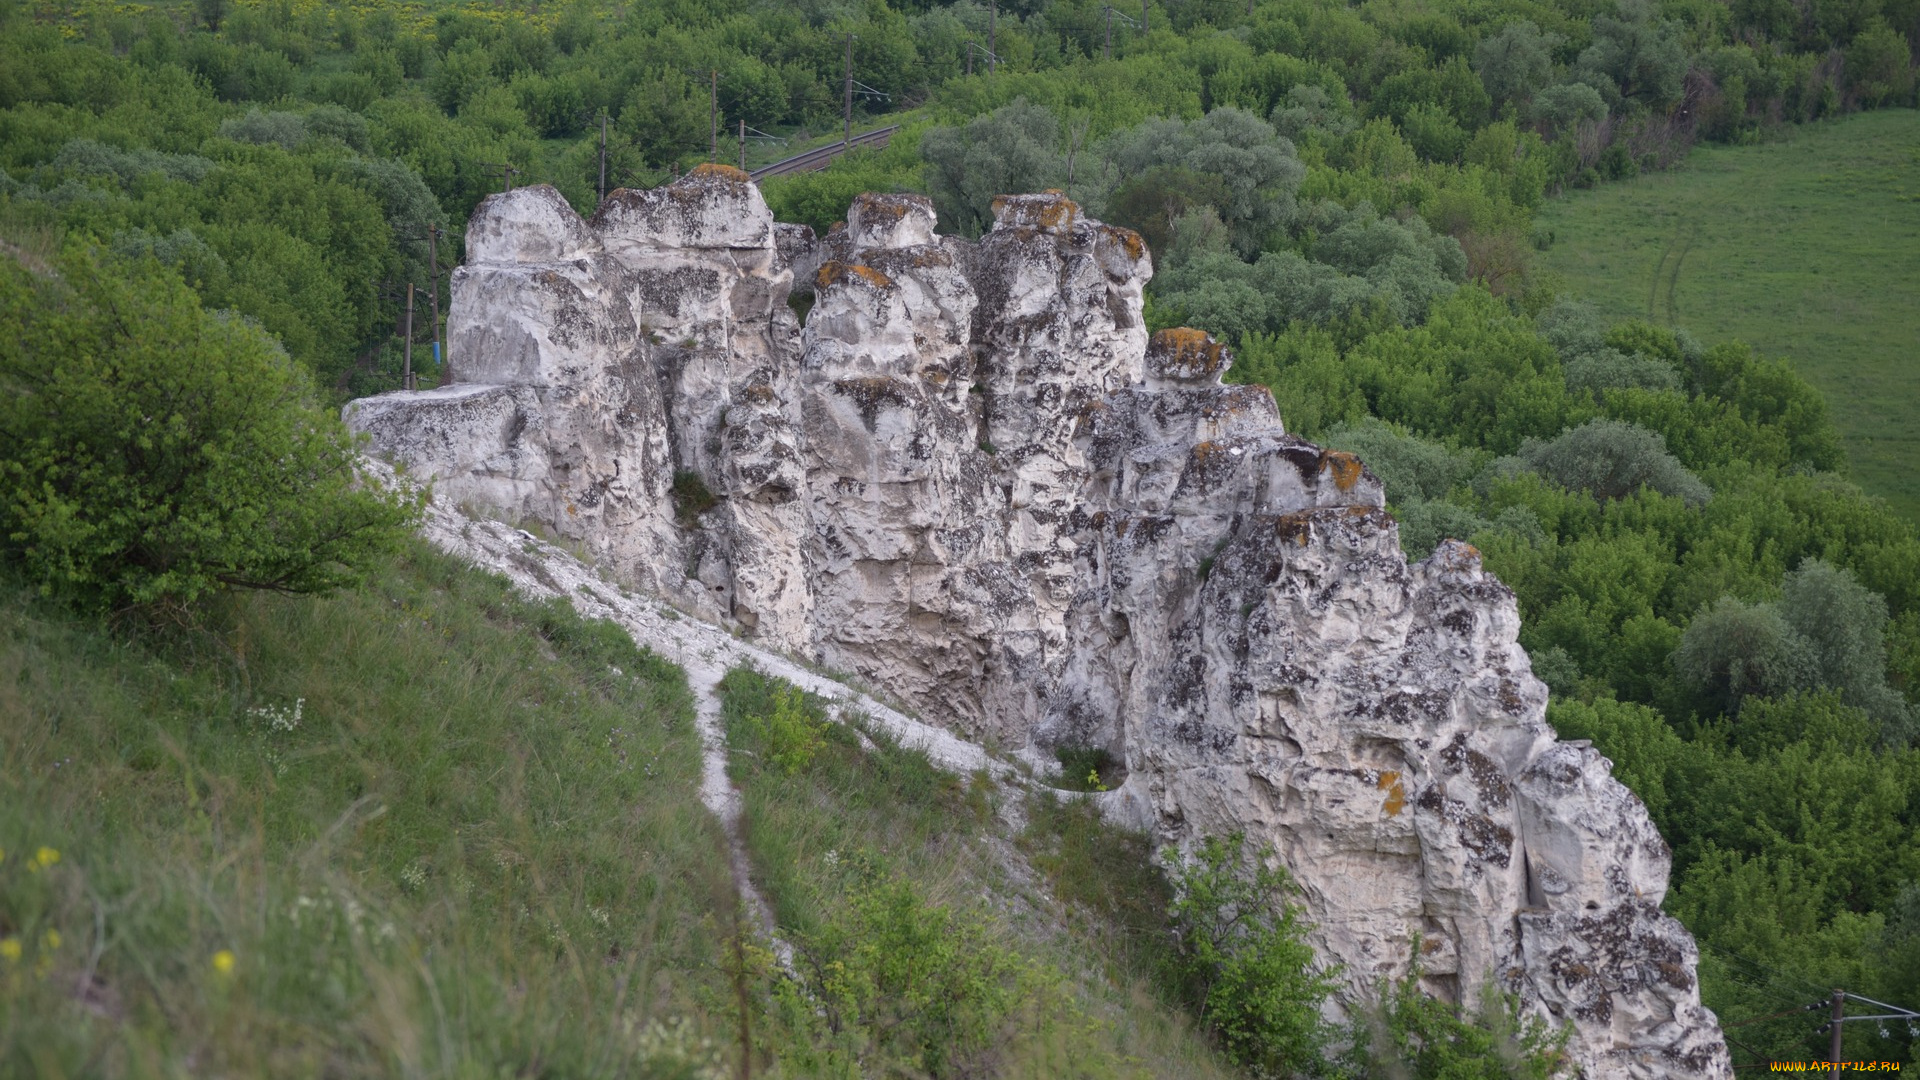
[[155, 452]]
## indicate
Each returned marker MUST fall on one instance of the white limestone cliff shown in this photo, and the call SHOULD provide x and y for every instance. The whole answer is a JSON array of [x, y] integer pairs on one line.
[[972, 479]]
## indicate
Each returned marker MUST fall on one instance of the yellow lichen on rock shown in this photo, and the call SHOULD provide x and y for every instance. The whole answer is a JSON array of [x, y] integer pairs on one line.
[[1344, 467], [836, 272], [1389, 782]]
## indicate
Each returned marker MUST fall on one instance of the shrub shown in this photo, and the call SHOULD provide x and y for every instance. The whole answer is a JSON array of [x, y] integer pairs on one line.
[[154, 452], [1243, 959], [1422, 1038], [1844, 624], [793, 732], [899, 986], [691, 498], [1828, 631]]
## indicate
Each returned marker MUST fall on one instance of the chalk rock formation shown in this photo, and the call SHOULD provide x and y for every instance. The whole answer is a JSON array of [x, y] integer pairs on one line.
[[972, 479]]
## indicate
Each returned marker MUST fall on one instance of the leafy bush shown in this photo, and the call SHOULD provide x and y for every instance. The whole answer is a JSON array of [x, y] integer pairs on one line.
[[783, 726], [899, 986], [1422, 1038], [1411, 468], [1229, 159], [1734, 650], [1243, 959], [1516, 61], [154, 452]]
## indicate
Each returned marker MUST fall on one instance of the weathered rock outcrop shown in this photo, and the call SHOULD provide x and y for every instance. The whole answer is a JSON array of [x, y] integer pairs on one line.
[[973, 480]]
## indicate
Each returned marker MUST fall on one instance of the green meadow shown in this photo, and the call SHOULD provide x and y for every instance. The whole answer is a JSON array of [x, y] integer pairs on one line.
[[1807, 247]]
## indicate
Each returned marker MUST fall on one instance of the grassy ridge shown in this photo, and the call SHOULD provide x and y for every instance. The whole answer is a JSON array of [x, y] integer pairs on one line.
[[1807, 248], [422, 827]]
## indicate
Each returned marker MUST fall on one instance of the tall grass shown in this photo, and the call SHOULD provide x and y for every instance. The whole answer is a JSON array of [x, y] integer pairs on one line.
[[1075, 933], [425, 829]]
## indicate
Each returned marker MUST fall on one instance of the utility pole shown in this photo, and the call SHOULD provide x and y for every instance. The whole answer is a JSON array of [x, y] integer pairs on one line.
[[1109, 54], [506, 173], [713, 115], [1143, 16], [433, 289], [846, 138], [603, 155], [969, 51], [406, 370], [743, 146], [1839, 1014], [993, 36]]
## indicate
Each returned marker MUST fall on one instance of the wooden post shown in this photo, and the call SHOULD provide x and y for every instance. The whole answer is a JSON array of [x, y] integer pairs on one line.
[[406, 370], [743, 146], [713, 116], [1839, 1013], [846, 137], [433, 292], [993, 36], [603, 156]]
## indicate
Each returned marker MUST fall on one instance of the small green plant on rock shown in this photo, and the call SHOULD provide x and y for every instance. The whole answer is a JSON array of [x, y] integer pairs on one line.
[[1085, 768], [691, 498]]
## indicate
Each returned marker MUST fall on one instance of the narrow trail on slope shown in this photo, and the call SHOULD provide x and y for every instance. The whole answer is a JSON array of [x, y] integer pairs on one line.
[[706, 652]]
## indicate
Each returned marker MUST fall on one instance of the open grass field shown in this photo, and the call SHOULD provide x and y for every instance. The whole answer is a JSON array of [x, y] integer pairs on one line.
[[1806, 248]]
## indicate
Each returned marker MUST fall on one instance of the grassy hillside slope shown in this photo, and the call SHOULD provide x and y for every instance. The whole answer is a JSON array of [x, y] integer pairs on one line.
[[1807, 248], [431, 828], [420, 828], [947, 925]]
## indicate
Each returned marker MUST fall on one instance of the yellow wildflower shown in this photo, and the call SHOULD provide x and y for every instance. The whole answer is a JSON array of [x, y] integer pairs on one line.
[[53, 939], [223, 962], [10, 948], [43, 858]]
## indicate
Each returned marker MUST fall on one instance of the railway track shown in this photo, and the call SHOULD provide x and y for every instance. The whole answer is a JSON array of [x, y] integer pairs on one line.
[[820, 157]]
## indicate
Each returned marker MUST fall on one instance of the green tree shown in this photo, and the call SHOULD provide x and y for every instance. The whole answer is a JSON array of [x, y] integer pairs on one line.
[[1735, 650], [1612, 459], [154, 452], [1014, 149], [1637, 54], [1515, 62], [1880, 66], [1845, 625], [1420, 1037], [1230, 159], [1563, 108]]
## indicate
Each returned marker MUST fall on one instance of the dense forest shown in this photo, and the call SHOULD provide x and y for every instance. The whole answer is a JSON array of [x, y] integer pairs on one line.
[[1346, 193]]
